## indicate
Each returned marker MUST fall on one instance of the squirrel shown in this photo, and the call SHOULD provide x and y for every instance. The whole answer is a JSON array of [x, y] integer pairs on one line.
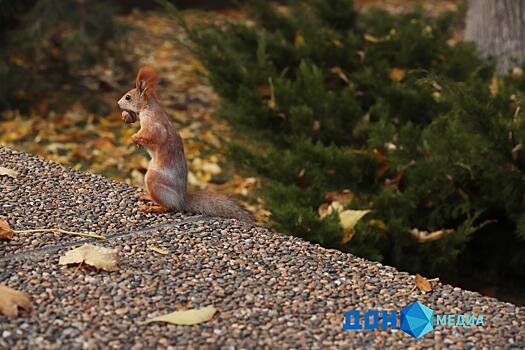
[[167, 174]]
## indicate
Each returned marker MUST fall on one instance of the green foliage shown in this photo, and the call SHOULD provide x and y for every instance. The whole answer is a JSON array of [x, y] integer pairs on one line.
[[57, 50], [325, 99]]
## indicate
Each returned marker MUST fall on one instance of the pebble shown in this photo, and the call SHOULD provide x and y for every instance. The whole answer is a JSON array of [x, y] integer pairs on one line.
[[271, 290]]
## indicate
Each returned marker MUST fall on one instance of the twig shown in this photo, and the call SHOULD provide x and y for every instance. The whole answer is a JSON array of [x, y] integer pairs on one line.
[[413, 289], [61, 231], [76, 270]]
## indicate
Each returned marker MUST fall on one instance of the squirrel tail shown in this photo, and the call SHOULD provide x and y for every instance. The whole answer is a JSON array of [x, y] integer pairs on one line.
[[216, 204]]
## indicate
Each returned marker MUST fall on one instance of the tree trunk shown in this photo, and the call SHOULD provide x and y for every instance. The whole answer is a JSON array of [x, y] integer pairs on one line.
[[498, 28]]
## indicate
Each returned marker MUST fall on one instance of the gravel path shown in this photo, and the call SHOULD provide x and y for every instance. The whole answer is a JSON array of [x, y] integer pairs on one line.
[[271, 291]]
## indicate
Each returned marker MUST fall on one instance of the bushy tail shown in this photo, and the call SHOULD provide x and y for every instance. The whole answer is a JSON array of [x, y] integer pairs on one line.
[[216, 204]]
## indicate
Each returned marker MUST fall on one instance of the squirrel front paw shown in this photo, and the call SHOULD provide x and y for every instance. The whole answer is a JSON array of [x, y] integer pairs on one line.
[[137, 140]]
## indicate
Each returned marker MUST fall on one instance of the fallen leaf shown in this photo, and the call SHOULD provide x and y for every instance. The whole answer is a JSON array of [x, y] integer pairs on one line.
[[517, 72], [396, 74], [187, 317], [494, 85], [272, 102], [425, 236], [422, 283], [337, 43], [159, 250], [8, 172], [343, 197], [379, 224], [340, 73], [349, 219], [5, 231], [264, 90], [298, 40], [370, 38], [99, 257], [212, 168], [326, 208], [323, 210], [11, 300]]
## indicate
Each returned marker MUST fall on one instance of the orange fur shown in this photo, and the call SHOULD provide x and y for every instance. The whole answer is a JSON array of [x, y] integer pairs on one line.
[[167, 175], [150, 78]]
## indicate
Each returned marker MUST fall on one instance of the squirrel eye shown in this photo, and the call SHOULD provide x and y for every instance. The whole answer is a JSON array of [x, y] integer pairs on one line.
[[128, 97]]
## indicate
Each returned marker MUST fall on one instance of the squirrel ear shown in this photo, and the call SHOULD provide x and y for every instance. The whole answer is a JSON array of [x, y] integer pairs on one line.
[[146, 80]]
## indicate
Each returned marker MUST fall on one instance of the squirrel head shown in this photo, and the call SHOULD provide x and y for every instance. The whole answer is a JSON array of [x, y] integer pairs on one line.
[[135, 99]]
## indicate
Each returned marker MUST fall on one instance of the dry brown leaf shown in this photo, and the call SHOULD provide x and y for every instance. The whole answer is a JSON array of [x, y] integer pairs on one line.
[[11, 300], [187, 317], [343, 197], [396, 74], [323, 210], [425, 236], [340, 73], [99, 257], [8, 172], [159, 250], [326, 209], [264, 90], [422, 283], [5, 231]]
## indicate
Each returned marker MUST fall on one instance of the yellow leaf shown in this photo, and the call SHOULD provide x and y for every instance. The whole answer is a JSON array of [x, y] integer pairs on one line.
[[422, 283], [379, 224], [99, 257], [159, 250], [349, 219], [337, 43], [212, 168], [5, 230], [272, 102], [187, 317], [396, 74], [299, 40], [11, 300], [372, 39], [517, 72], [8, 172], [494, 85]]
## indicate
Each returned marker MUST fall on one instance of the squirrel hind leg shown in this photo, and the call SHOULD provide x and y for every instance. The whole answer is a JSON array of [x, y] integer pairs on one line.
[[153, 208], [163, 192], [143, 196]]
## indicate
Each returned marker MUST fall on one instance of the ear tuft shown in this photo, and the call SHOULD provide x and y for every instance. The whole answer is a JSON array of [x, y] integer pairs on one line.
[[147, 79]]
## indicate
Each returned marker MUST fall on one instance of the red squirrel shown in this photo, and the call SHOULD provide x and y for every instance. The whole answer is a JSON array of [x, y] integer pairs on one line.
[[167, 175]]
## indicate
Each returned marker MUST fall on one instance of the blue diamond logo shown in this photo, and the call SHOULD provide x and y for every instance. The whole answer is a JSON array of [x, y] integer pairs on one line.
[[417, 319]]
